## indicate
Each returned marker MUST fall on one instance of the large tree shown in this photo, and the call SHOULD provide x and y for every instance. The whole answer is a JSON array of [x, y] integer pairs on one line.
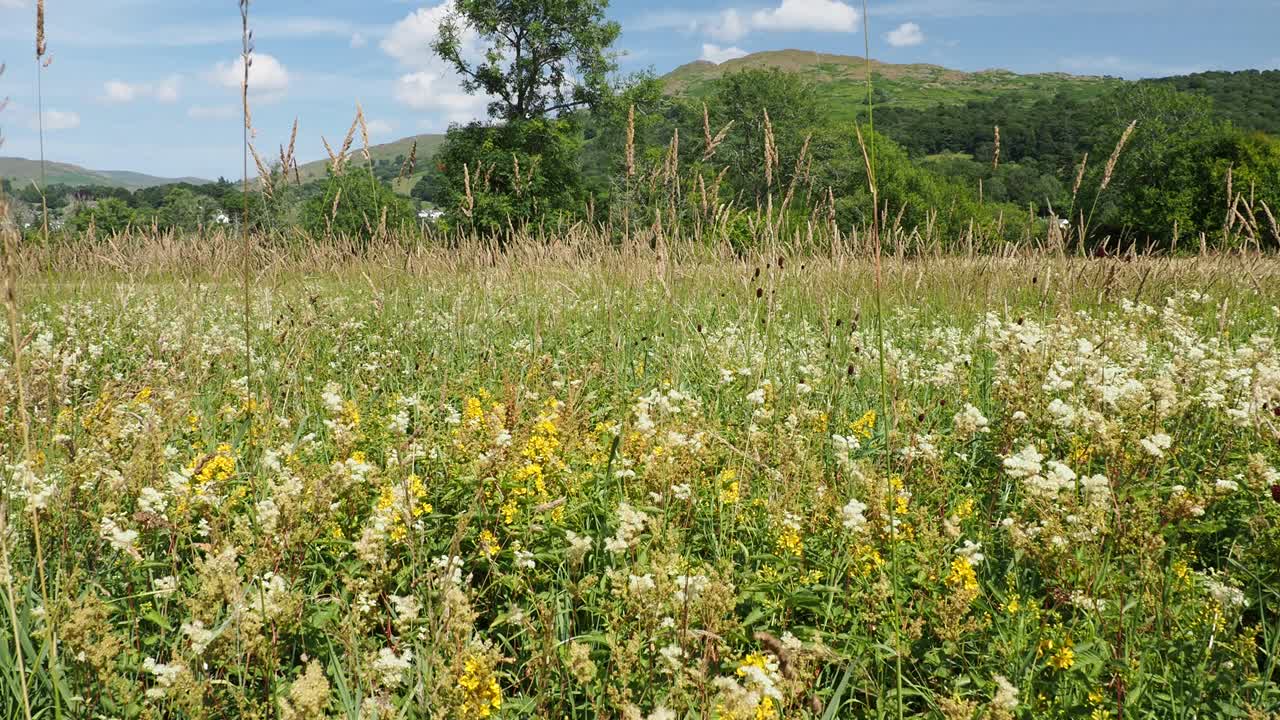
[[541, 57]]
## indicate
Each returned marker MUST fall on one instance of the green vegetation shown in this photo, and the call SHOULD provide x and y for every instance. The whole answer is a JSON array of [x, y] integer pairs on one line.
[[840, 82], [582, 482], [1248, 98]]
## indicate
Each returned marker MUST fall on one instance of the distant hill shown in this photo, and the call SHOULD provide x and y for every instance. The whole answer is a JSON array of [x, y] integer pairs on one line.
[[385, 153], [1248, 98], [842, 80], [22, 171]]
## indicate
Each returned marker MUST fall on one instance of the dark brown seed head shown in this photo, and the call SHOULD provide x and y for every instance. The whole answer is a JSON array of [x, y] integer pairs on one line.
[[759, 293], [1275, 492]]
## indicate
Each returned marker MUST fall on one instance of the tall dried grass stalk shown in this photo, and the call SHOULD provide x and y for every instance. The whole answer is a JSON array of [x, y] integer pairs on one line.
[[246, 259], [364, 133], [42, 49], [287, 159], [995, 153], [770, 151], [410, 163], [346, 145], [466, 186], [1075, 188], [1271, 219], [264, 173], [41, 45], [631, 141], [1115, 155]]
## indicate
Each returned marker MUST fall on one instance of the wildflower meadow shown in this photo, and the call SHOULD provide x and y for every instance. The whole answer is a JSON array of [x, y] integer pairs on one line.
[[635, 488]]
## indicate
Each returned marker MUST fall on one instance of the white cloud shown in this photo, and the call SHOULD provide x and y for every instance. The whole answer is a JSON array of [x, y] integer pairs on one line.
[[358, 40], [434, 92], [117, 91], [728, 26], [379, 128], [409, 40], [267, 76], [57, 120], [717, 54], [212, 112], [815, 15], [731, 25], [431, 85], [165, 91], [905, 35], [12, 4]]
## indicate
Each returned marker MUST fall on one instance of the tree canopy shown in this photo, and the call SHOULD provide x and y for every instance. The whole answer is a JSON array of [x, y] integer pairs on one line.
[[542, 56]]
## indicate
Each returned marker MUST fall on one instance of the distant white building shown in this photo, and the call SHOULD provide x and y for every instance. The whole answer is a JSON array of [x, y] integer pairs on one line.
[[432, 214]]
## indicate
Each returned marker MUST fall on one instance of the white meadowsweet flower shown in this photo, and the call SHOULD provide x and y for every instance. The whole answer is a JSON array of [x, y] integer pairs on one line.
[[524, 559], [972, 552], [1006, 694], [1224, 594], [390, 666], [639, 584], [631, 523], [120, 538], [756, 397], [1155, 445], [852, 514], [672, 654], [151, 500], [970, 421], [579, 545], [1025, 464], [165, 586], [199, 635], [165, 674]]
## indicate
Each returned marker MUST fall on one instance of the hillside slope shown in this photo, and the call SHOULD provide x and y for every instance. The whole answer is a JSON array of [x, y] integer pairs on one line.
[[841, 79], [22, 171], [383, 153]]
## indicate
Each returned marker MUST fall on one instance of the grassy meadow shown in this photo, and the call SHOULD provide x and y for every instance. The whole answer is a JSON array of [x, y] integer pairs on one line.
[[632, 484]]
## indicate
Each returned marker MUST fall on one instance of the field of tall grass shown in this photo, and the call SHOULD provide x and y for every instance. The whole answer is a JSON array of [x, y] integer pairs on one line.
[[578, 481], [690, 461]]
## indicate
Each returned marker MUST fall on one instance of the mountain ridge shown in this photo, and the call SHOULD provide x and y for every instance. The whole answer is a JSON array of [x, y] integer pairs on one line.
[[21, 171]]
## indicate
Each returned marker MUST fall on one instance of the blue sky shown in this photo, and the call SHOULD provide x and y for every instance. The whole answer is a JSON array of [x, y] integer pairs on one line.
[[151, 85]]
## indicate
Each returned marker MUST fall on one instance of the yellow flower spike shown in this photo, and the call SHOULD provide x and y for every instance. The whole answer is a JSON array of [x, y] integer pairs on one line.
[[863, 426]]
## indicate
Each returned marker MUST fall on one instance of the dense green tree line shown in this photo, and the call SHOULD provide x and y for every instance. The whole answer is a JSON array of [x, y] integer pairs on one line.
[[567, 140]]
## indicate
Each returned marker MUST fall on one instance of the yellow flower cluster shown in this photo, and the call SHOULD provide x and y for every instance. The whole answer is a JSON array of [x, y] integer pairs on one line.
[[864, 426], [481, 694], [730, 492], [962, 578], [217, 468]]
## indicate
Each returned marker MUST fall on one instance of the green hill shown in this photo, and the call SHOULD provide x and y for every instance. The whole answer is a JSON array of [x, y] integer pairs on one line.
[[842, 81], [1248, 98], [22, 171], [391, 153]]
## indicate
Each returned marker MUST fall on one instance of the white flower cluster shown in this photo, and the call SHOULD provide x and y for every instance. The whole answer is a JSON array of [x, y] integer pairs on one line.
[[852, 515], [631, 524]]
